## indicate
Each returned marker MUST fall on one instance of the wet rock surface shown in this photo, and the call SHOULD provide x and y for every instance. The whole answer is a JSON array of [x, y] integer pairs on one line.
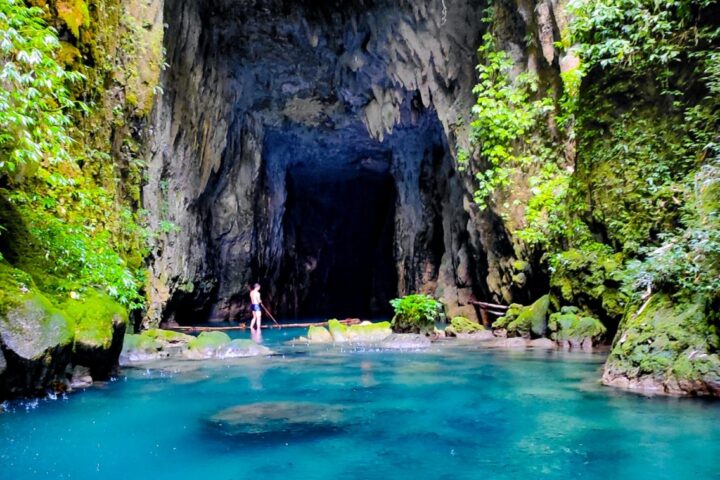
[[153, 345], [405, 341]]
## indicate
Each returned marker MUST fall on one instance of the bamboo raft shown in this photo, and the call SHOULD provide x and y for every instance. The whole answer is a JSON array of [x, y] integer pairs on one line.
[[243, 326]]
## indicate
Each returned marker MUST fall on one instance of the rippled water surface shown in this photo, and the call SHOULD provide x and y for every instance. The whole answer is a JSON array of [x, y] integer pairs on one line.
[[452, 412]]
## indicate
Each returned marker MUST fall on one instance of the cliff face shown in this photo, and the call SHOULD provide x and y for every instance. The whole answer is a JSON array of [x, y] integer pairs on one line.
[[315, 154]]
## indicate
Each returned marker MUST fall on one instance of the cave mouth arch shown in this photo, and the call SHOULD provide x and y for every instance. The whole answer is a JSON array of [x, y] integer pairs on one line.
[[303, 145]]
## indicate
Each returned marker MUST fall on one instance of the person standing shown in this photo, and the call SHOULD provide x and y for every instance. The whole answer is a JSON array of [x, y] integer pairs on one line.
[[255, 307]]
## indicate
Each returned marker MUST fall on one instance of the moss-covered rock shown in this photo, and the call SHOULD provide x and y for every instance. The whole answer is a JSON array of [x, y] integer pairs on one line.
[[140, 348], [526, 321], [667, 346], [570, 328], [462, 325], [100, 324], [97, 317], [207, 345], [337, 330], [319, 335], [366, 332], [36, 337]]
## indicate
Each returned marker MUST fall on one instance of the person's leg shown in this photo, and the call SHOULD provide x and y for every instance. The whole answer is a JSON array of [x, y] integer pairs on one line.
[[254, 318], [259, 320]]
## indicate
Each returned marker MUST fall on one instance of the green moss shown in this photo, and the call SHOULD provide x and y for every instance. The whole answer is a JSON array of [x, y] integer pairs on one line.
[[209, 340], [463, 325], [14, 286], [32, 325], [526, 321], [168, 336], [96, 316], [74, 13], [336, 328], [141, 342], [319, 335], [669, 338]]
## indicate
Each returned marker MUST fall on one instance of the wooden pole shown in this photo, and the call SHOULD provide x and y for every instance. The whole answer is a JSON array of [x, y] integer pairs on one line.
[[270, 315]]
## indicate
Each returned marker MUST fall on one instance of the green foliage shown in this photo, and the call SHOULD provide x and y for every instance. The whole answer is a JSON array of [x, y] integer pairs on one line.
[[416, 313], [503, 114], [34, 98], [70, 229], [688, 262], [589, 276]]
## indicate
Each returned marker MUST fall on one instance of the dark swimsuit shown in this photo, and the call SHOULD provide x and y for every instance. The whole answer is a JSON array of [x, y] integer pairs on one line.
[[255, 307]]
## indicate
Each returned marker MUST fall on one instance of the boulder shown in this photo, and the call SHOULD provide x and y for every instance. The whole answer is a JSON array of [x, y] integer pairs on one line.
[[206, 345], [338, 331], [666, 346], [319, 335], [100, 324], [368, 332], [140, 348], [405, 341], [3, 363], [526, 321], [575, 331], [37, 339], [365, 332], [462, 325]]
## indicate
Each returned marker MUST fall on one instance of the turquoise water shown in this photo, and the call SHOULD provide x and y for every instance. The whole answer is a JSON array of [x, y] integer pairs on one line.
[[452, 412]]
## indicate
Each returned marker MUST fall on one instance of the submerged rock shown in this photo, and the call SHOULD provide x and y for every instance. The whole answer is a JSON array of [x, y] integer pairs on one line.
[[266, 419], [405, 341]]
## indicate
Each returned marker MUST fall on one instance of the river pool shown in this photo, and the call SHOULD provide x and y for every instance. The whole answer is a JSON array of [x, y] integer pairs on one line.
[[455, 412]]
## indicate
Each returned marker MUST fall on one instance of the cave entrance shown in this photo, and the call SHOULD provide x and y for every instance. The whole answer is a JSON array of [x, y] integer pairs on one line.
[[339, 240]]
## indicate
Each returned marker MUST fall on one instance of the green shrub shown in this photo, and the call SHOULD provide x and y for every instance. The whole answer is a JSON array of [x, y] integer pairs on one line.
[[416, 313]]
